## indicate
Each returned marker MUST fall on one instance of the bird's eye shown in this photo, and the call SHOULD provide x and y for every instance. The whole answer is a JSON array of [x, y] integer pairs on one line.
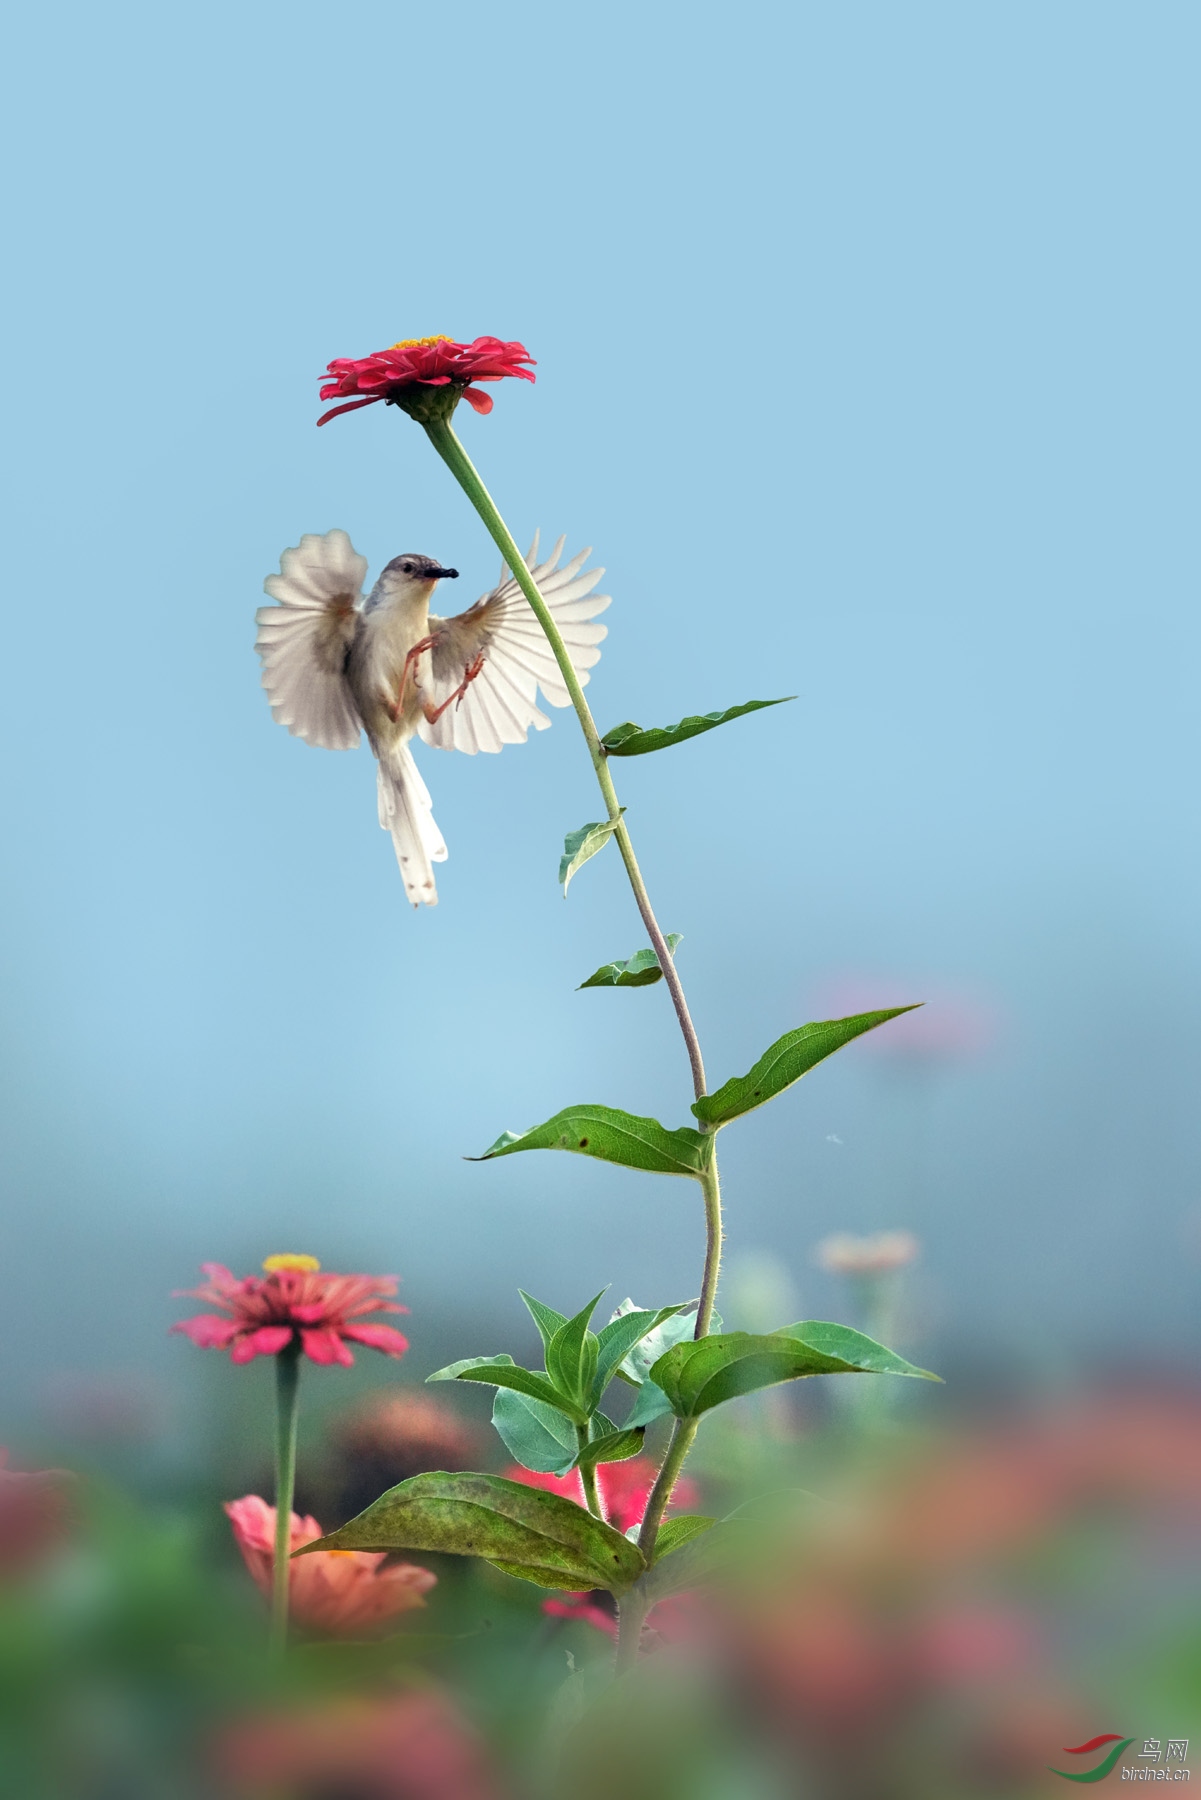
[[407, 567]]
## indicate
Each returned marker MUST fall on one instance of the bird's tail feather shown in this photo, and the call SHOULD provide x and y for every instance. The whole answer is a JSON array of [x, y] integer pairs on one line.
[[405, 811]]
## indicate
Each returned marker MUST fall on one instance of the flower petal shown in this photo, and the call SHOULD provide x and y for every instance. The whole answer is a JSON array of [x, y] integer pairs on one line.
[[325, 1347], [477, 398], [268, 1340], [378, 1337], [209, 1330], [351, 406]]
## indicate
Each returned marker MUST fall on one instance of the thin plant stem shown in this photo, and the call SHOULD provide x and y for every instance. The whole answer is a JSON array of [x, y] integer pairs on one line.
[[287, 1395], [588, 1478], [442, 435], [633, 1608]]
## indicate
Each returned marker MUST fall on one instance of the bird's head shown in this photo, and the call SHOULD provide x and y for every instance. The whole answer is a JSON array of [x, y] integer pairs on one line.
[[412, 573]]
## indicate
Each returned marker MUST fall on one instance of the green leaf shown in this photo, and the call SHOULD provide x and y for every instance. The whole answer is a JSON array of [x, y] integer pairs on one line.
[[692, 1556], [674, 1330], [853, 1351], [652, 1403], [571, 1355], [632, 740], [675, 1533], [579, 846], [641, 970], [537, 1536], [789, 1058], [625, 1329], [701, 1375], [613, 1136], [502, 1371], [612, 1446], [539, 1436], [545, 1318]]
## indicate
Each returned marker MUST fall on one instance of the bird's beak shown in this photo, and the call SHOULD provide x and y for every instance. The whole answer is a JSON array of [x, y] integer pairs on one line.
[[443, 575]]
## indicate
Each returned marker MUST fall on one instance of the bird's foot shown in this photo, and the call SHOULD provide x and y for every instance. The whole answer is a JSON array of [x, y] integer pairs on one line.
[[434, 713], [406, 674]]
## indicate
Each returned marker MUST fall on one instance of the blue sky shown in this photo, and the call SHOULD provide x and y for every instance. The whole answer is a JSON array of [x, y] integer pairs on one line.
[[866, 360]]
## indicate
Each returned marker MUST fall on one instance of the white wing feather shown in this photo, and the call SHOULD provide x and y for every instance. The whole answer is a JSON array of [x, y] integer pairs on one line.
[[500, 705], [304, 639]]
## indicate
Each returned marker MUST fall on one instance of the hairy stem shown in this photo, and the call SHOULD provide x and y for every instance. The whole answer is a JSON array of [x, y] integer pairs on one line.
[[588, 1477], [287, 1394]]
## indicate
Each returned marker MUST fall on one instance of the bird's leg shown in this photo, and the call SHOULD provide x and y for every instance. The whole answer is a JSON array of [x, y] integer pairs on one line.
[[419, 649], [434, 713]]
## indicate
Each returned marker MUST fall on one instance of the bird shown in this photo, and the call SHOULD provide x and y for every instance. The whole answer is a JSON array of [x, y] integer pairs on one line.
[[335, 666]]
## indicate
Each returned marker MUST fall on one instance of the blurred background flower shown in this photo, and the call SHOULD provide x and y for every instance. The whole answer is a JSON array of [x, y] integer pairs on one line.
[[348, 1592]]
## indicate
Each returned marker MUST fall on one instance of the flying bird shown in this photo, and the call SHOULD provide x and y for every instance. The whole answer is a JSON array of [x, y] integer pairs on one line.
[[335, 665]]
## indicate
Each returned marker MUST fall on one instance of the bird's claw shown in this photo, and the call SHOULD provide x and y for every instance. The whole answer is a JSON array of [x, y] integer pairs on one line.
[[433, 714]]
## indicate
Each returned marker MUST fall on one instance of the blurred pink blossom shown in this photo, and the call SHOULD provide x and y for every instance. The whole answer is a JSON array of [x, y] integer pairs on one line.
[[945, 1027], [412, 1746], [265, 1312], [339, 1591], [34, 1514]]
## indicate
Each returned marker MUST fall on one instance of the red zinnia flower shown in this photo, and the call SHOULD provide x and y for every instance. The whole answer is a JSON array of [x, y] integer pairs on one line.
[[423, 362], [341, 1591], [266, 1313]]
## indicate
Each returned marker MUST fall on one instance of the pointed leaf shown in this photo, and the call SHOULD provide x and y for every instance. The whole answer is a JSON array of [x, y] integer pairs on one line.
[[571, 1354], [632, 740], [613, 1136], [545, 1318], [641, 970], [691, 1558], [579, 846], [651, 1403], [675, 1533], [502, 1371], [789, 1058], [614, 1446], [854, 1351], [538, 1436], [704, 1373], [625, 1329], [537, 1536]]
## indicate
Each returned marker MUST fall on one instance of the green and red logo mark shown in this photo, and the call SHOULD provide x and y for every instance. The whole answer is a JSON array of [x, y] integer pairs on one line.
[[1104, 1767]]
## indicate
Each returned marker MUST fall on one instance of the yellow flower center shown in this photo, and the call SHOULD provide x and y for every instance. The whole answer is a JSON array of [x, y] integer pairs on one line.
[[308, 1265], [417, 343]]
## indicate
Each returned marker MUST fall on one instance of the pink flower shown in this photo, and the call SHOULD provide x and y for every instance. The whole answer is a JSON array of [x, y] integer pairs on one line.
[[264, 1314], [340, 1591], [423, 362], [34, 1514], [625, 1488], [588, 1607], [413, 1745]]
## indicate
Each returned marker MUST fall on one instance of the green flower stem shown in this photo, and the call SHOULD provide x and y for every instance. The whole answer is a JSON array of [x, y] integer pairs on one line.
[[287, 1395], [632, 1609], [588, 1477], [442, 436]]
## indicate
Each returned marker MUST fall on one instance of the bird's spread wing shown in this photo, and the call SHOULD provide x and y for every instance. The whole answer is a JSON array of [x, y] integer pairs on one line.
[[304, 640], [500, 704]]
